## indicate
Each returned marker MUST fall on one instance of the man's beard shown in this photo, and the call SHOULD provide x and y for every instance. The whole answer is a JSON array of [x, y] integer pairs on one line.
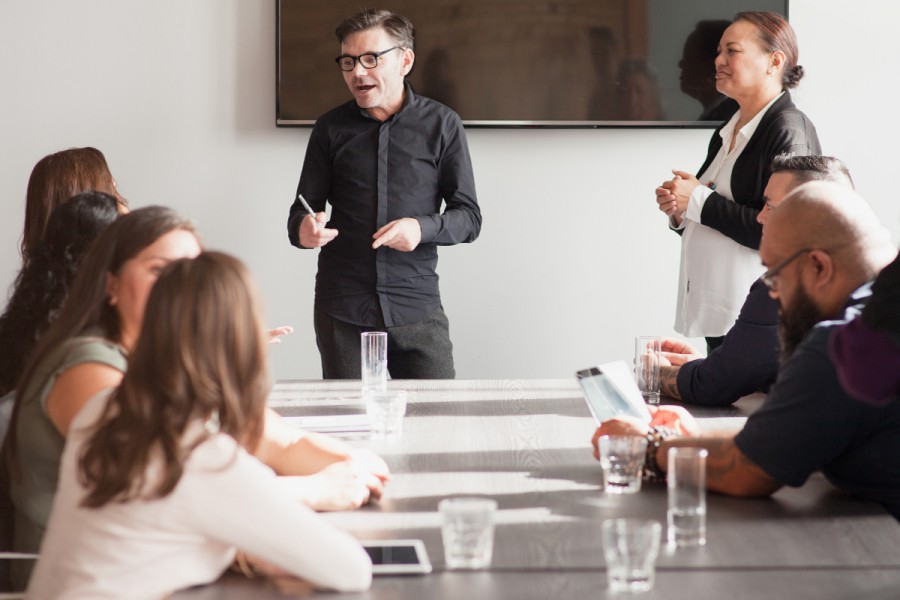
[[795, 322]]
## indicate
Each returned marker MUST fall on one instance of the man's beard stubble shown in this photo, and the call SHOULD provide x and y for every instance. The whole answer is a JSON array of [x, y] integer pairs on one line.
[[795, 322]]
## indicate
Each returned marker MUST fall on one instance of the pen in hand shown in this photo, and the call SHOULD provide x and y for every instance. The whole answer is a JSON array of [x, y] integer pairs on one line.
[[309, 210]]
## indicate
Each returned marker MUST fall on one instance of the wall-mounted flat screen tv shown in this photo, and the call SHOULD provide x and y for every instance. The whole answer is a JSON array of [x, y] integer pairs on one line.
[[550, 63]]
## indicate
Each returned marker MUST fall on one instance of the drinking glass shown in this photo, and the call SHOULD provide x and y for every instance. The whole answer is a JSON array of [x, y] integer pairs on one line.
[[467, 529], [373, 354], [622, 459], [646, 366], [386, 409], [686, 482], [630, 547]]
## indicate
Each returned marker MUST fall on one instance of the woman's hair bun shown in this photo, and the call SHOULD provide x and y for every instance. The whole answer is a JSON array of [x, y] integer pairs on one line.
[[792, 76]]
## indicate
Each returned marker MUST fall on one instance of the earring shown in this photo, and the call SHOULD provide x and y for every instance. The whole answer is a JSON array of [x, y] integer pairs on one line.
[[212, 424]]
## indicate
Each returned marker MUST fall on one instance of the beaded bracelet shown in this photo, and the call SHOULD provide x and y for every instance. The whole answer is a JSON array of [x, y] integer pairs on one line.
[[655, 438]]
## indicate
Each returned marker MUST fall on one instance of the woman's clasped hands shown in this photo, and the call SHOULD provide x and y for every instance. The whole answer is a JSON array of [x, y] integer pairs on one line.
[[673, 195]]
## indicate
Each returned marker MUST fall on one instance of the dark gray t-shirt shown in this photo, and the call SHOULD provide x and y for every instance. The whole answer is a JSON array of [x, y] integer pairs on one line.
[[809, 423], [39, 444]]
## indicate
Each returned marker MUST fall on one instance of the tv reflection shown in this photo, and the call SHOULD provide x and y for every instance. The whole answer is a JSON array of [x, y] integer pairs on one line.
[[437, 82], [637, 92]]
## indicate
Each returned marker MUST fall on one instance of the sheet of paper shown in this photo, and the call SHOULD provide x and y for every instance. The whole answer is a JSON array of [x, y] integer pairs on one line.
[[332, 423]]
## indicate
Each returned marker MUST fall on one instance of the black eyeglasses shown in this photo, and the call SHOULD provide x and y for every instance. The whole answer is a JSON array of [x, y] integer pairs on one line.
[[369, 61], [769, 277]]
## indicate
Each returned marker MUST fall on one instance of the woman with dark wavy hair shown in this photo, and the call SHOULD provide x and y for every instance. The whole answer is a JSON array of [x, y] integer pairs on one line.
[[155, 473], [715, 212], [42, 285]]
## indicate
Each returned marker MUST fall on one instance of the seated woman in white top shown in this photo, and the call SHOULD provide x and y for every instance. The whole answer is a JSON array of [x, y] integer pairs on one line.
[[158, 484]]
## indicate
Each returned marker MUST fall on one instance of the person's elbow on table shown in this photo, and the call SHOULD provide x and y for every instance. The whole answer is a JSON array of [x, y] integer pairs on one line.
[[744, 479], [728, 470], [357, 576]]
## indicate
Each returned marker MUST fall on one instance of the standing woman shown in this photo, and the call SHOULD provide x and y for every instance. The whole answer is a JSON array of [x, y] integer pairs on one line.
[[158, 485], [716, 213]]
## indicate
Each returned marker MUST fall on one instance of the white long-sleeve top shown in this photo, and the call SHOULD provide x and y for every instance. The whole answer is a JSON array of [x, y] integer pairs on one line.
[[715, 271], [226, 500]]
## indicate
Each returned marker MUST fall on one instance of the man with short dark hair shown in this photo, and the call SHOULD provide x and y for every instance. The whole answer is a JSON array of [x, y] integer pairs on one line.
[[822, 246], [747, 359], [385, 162]]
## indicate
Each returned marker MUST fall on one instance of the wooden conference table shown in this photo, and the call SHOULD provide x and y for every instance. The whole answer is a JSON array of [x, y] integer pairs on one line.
[[526, 443]]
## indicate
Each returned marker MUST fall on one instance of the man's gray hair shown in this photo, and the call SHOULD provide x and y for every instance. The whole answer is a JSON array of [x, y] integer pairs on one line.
[[397, 26]]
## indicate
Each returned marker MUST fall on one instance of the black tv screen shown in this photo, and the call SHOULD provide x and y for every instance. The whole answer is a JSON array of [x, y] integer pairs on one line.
[[551, 63]]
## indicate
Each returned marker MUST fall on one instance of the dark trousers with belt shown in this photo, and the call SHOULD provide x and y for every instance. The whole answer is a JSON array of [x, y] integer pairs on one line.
[[421, 350]]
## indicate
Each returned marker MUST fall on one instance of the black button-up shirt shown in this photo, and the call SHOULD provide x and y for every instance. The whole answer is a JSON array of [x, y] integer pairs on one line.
[[374, 172]]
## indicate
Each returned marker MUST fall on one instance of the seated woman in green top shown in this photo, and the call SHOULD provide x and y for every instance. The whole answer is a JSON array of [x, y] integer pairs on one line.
[[84, 352]]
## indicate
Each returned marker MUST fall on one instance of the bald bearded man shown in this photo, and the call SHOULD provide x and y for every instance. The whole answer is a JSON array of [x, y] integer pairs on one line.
[[822, 247]]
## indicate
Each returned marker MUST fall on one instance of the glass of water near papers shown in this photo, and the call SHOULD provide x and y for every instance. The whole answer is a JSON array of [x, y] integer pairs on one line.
[[686, 482]]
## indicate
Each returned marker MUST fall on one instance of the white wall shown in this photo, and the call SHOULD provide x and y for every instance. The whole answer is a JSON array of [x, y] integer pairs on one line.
[[573, 260]]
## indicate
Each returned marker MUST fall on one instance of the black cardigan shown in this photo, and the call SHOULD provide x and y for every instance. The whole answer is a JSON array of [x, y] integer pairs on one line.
[[782, 130]]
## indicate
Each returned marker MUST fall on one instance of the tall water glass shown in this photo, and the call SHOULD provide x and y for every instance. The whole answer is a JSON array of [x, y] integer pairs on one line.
[[646, 366], [686, 481], [373, 349]]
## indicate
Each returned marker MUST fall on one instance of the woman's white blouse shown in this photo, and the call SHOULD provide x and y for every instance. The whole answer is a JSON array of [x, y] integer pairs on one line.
[[226, 500], [716, 272]]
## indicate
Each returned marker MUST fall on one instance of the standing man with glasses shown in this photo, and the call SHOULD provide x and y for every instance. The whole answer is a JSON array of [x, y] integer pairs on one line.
[[385, 162], [823, 246]]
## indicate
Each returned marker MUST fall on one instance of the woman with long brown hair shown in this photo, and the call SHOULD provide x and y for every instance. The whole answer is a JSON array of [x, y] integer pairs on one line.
[[85, 352], [158, 485], [56, 178]]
